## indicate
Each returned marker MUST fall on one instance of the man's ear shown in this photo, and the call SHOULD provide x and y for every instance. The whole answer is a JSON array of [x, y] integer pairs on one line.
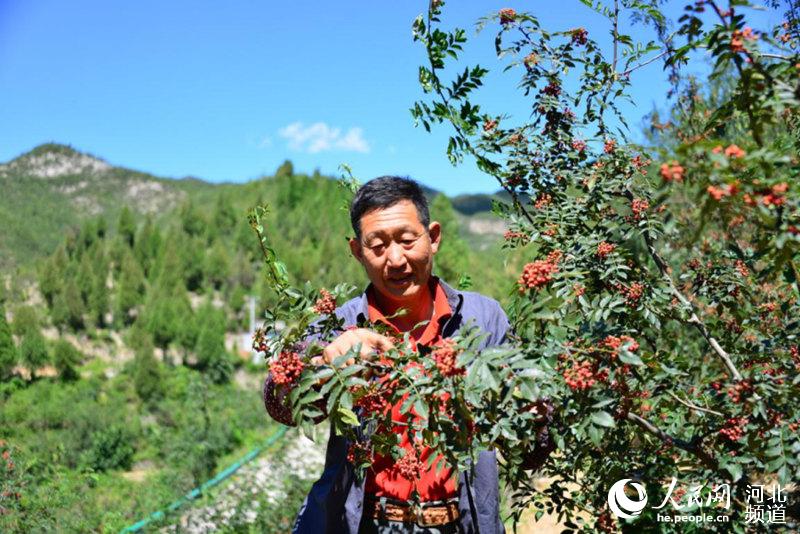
[[355, 249], [435, 231]]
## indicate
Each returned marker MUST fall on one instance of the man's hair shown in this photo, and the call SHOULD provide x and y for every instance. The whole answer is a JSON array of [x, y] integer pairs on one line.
[[386, 191]]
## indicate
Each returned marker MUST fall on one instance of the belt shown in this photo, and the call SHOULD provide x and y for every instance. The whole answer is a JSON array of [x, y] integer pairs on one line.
[[429, 514]]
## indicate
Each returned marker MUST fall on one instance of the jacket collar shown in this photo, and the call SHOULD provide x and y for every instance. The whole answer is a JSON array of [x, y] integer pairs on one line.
[[454, 298]]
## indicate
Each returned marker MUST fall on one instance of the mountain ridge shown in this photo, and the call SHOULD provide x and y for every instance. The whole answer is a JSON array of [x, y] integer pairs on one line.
[[51, 188]]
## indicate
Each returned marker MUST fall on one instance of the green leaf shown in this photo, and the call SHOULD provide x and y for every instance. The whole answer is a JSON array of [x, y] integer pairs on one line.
[[603, 418], [348, 416]]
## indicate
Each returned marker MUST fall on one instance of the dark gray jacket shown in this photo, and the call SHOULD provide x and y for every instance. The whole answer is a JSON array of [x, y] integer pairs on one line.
[[334, 504]]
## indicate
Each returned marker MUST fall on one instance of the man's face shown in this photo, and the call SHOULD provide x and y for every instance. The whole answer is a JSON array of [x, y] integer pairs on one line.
[[397, 251]]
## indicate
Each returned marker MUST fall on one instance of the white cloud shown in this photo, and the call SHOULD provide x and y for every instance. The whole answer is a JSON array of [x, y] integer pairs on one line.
[[319, 137]]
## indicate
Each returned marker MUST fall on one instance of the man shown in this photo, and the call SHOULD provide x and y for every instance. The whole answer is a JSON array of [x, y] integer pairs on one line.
[[395, 242]]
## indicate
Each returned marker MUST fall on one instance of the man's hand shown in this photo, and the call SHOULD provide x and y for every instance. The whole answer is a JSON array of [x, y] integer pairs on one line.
[[371, 344]]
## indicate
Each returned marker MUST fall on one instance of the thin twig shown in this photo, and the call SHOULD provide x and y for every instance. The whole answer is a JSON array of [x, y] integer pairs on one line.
[[644, 63], [615, 35], [693, 406], [776, 56]]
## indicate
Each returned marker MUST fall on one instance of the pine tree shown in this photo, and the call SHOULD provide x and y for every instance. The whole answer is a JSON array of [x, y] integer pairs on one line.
[[167, 313], [286, 169], [98, 300], [126, 226], [66, 358], [33, 350], [129, 291], [147, 372], [85, 277], [148, 246], [25, 320], [225, 216], [192, 220], [451, 259], [8, 351], [68, 307], [212, 358], [192, 251], [100, 226], [217, 268], [51, 275]]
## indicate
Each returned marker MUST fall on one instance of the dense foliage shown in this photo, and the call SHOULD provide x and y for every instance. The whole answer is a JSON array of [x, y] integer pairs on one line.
[[658, 308], [133, 320], [661, 296]]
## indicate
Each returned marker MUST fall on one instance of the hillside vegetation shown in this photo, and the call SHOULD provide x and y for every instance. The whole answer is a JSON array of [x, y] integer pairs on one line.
[[122, 370]]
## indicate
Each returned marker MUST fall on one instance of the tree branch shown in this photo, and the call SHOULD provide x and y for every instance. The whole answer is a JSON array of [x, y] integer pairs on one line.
[[693, 406], [644, 63], [689, 446], [694, 319]]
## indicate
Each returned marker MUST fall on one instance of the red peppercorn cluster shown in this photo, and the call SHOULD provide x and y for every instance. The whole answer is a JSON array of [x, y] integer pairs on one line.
[[445, 357], [614, 343], [531, 60], [513, 236], [774, 196], [579, 145], [638, 207], [578, 289], [260, 340], [738, 37], [580, 376], [579, 36], [515, 181], [359, 452], [726, 190], [538, 273], [605, 523], [507, 15], [376, 400], [286, 368], [742, 269], [604, 249], [410, 466], [489, 125], [552, 89], [326, 304], [737, 391], [734, 428], [672, 172], [542, 200], [609, 146], [633, 293], [640, 163]]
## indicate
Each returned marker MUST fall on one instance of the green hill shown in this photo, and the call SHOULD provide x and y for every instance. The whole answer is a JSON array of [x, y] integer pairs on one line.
[[51, 190]]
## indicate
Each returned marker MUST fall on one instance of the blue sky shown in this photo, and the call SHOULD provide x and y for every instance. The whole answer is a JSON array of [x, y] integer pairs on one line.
[[225, 91]]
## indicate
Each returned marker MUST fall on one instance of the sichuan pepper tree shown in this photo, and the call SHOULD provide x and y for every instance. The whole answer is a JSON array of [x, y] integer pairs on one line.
[[662, 286]]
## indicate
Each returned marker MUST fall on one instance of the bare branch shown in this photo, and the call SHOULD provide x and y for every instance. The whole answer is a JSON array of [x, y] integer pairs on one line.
[[694, 406], [694, 319], [645, 63]]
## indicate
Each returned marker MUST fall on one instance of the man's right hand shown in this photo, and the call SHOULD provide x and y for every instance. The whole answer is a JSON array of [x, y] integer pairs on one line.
[[371, 344]]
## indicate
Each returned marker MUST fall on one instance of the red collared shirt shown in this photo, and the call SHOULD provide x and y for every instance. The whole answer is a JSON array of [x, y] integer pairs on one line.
[[383, 478]]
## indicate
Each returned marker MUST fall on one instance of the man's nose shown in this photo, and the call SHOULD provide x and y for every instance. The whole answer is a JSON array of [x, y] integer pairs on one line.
[[395, 255]]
